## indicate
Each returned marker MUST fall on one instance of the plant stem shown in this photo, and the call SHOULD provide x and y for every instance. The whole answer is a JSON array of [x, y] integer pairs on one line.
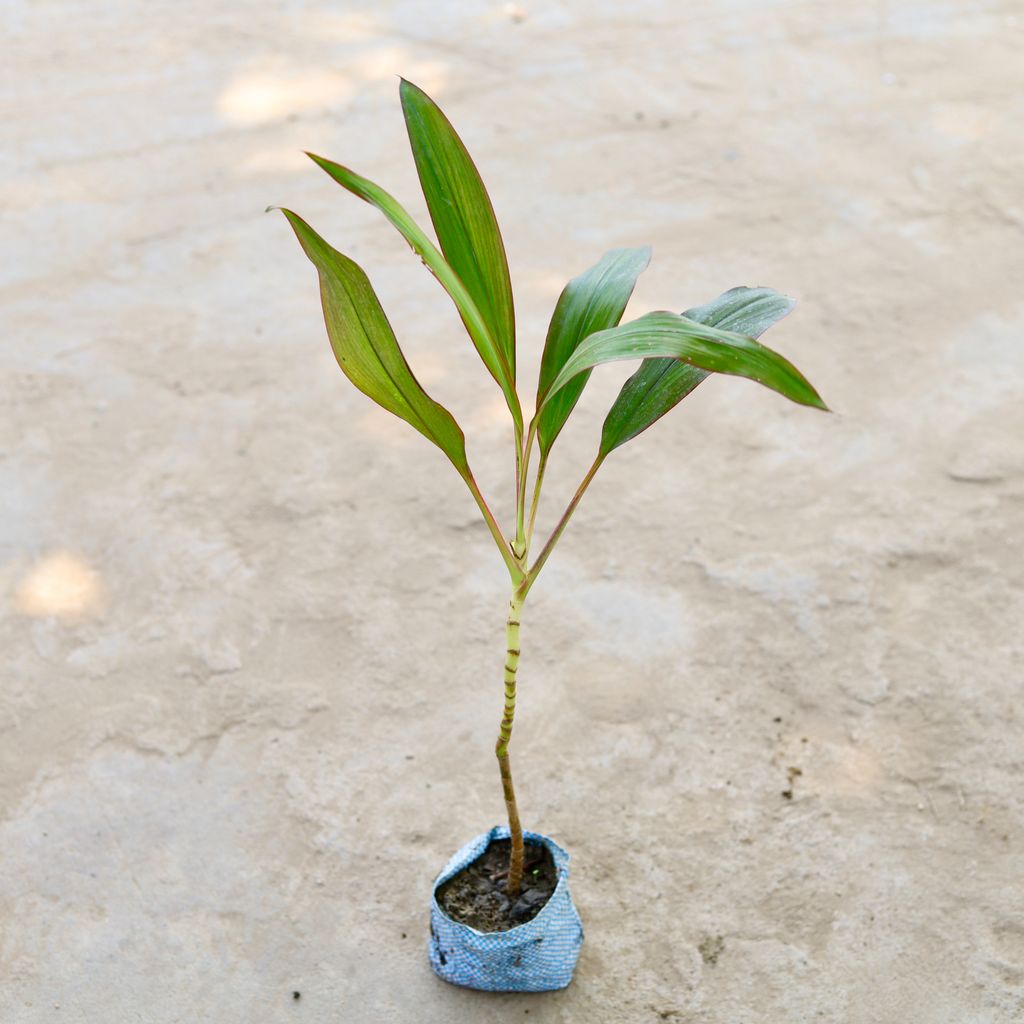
[[562, 523], [515, 869], [535, 500], [514, 569], [522, 474]]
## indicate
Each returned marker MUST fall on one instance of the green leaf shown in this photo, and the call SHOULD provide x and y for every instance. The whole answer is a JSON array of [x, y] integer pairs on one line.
[[749, 311], [661, 384], [462, 215], [366, 349], [476, 325], [707, 348], [591, 302]]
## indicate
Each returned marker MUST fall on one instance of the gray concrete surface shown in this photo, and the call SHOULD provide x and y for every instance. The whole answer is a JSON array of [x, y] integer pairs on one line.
[[251, 626]]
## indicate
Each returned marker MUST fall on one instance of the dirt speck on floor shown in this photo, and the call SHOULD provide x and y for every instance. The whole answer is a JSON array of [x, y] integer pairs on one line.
[[711, 947]]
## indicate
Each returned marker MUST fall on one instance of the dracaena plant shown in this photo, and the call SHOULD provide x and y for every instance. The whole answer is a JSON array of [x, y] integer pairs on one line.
[[678, 351]]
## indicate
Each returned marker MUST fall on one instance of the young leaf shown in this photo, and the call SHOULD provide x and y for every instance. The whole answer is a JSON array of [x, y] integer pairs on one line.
[[490, 352], [661, 384], [588, 303], [708, 348], [366, 349], [462, 215]]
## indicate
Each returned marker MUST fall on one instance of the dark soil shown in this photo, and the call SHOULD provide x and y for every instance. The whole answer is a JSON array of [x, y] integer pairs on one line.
[[476, 895]]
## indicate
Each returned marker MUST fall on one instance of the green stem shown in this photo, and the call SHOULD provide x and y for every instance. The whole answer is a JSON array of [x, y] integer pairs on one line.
[[515, 868], [514, 569], [562, 523], [522, 474], [535, 500]]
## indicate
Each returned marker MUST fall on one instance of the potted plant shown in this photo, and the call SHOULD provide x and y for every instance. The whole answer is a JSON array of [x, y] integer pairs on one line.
[[501, 916]]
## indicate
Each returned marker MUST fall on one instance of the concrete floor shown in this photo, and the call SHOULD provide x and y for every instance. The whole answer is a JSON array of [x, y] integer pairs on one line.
[[252, 627]]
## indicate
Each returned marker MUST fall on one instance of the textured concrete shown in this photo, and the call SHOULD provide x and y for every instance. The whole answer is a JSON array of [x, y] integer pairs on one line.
[[252, 627]]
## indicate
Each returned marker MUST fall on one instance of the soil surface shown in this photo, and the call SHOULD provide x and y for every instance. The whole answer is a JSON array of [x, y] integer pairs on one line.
[[477, 895], [252, 626]]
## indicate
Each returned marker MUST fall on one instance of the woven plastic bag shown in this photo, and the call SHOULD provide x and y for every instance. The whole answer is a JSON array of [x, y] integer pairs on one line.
[[536, 956]]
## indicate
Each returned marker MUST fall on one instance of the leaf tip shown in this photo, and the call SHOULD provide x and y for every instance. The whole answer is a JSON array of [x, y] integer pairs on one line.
[[293, 218], [813, 399], [303, 232], [411, 95]]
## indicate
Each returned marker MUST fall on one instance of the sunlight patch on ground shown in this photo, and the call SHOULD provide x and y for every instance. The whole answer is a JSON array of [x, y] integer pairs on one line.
[[274, 91], [258, 97], [61, 584]]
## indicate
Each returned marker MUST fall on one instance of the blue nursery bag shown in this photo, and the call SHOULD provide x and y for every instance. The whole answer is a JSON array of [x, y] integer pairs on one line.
[[537, 956]]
